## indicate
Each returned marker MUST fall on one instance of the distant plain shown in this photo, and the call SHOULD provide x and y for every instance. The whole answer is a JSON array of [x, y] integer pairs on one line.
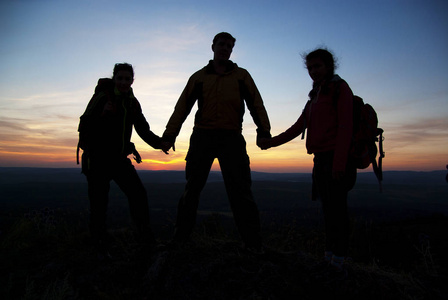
[[281, 197]]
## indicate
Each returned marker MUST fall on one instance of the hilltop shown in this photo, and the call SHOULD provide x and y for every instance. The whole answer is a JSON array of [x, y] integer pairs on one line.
[[57, 262], [398, 244]]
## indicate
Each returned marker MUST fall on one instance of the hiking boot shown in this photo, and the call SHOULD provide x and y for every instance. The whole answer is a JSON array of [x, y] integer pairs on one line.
[[104, 256], [339, 267], [255, 250], [103, 250], [337, 262], [174, 245], [328, 256]]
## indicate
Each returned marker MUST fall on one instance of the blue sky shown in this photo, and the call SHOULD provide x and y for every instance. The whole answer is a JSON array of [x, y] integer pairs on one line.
[[392, 53]]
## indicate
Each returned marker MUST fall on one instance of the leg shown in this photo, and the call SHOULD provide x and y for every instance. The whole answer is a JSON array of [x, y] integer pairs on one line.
[[98, 190], [235, 167], [129, 182], [197, 169], [333, 195], [340, 190], [323, 181], [336, 215]]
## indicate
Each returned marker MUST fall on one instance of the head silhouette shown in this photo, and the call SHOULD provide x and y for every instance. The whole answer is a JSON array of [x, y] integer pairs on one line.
[[123, 67], [222, 46], [321, 65], [123, 77], [326, 56], [225, 36]]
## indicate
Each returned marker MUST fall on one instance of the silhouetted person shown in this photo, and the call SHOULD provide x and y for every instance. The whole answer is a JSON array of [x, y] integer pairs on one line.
[[328, 118], [221, 89], [105, 131]]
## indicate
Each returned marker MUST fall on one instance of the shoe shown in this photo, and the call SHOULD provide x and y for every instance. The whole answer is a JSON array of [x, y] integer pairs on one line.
[[337, 262], [339, 267], [102, 247], [104, 256], [255, 250], [328, 256], [172, 245]]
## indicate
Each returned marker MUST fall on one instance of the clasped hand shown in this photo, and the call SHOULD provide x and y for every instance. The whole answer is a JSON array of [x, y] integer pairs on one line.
[[166, 146], [264, 143]]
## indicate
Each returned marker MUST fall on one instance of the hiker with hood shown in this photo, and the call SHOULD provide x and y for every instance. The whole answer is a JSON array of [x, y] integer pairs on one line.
[[328, 118], [105, 131], [221, 89]]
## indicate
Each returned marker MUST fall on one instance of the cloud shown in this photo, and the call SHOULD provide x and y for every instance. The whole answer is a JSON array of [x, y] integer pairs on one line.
[[422, 133], [8, 124], [174, 39]]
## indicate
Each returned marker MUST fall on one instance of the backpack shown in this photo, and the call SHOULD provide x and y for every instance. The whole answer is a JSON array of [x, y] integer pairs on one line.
[[366, 134], [105, 85]]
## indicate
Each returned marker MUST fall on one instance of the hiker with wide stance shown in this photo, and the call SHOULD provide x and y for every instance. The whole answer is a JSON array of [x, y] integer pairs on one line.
[[221, 89], [105, 131], [328, 118]]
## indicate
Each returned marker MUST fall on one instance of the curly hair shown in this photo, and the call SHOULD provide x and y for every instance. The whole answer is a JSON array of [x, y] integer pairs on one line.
[[326, 56]]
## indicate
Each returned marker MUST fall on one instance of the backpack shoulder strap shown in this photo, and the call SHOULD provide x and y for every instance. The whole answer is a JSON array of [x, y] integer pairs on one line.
[[337, 88], [77, 154], [378, 168], [304, 118]]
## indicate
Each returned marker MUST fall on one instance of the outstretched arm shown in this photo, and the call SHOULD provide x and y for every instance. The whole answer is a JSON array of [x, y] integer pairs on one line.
[[143, 130], [256, 108], [291, 133], [181, 111]]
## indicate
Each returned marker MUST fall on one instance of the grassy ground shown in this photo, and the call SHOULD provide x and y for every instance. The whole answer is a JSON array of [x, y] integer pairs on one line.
[[48, 255]]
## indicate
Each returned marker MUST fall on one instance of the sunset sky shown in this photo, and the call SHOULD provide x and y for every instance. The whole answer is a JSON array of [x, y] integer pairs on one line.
[[392, 53]]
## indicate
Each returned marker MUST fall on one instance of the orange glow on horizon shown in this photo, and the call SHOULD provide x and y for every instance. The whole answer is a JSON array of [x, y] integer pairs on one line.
[[289, 158]]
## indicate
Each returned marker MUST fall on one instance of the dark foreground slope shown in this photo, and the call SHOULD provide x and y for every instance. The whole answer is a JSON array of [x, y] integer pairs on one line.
[[398, 246], [56, 261]]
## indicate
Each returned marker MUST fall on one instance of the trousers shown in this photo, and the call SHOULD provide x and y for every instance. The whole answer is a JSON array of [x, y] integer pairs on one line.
[[99, 175], [333, 195], [229, 147]]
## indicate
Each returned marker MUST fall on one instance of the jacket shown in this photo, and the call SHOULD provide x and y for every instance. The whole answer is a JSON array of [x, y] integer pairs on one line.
[[105, 128], [221, 101], [328, 118]]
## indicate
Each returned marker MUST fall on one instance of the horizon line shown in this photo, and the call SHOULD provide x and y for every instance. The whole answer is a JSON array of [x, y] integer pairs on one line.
[[253, 171]]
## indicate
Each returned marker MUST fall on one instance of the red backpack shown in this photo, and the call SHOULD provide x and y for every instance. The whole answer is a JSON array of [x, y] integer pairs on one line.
[[366, 134]]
